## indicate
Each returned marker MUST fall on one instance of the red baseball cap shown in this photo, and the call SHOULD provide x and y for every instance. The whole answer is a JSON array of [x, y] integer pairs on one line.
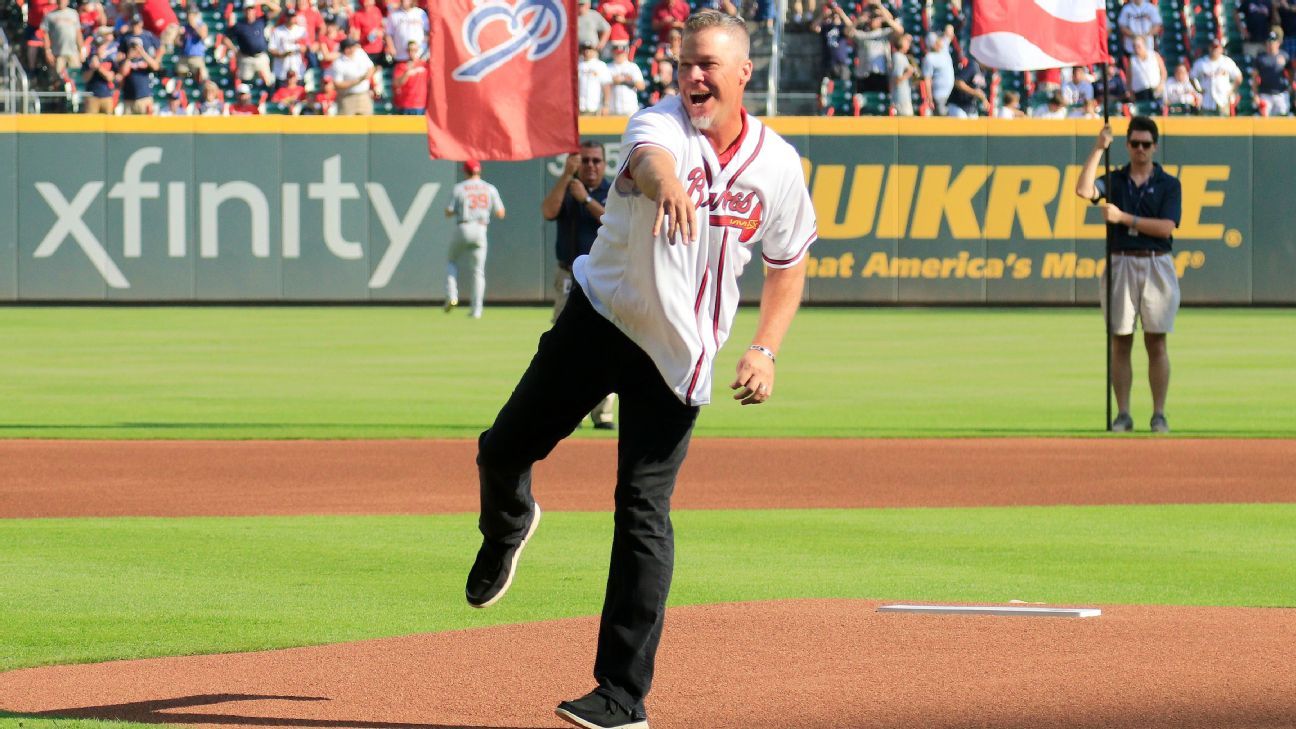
[[471, 167]]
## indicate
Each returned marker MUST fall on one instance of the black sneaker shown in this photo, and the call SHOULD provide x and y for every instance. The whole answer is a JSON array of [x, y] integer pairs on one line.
[[1159, 424], [1122, 423], [492, 572], [597, 711]]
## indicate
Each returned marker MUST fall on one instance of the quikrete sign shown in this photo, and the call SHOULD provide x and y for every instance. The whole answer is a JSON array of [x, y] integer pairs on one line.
[[994, 202], [352, 210]]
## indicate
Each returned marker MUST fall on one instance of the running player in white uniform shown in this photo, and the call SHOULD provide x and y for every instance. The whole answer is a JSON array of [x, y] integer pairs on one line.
[[472, 202], [702, 184]]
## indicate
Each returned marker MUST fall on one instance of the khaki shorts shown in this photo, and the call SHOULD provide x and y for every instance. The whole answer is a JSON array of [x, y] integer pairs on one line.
[[139, 106], [355, 105], [192, 66], [249, 67], [96, 105], [1146, 289]]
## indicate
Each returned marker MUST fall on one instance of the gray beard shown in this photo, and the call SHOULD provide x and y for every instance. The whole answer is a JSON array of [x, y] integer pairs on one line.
[[702, 123]]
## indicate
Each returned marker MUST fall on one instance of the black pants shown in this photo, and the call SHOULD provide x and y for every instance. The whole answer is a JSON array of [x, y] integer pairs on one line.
[[578, 363]]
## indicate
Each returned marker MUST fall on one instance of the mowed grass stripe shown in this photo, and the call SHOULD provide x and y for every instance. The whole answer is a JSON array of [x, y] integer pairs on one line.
[[378, 372], [86, 590]]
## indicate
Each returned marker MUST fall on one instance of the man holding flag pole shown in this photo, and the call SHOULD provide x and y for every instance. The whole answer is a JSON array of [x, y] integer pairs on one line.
[[1022, 35]]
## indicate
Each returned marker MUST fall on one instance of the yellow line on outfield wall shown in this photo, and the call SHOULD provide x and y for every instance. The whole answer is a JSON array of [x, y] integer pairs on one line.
[[790, 126]]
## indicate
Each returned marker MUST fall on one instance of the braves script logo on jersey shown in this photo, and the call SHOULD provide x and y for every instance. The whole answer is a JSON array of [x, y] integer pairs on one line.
[[534, 26], [729, 209]]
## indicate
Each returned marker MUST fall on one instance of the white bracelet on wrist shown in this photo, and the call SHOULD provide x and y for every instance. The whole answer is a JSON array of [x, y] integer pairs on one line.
[[763, 350]]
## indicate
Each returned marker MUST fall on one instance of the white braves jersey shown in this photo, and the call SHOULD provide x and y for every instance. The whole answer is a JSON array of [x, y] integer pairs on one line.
[[474, 201], [677, 301]]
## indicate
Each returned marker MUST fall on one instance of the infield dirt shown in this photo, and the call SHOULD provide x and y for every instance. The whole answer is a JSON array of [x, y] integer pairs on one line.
[[812, 664]]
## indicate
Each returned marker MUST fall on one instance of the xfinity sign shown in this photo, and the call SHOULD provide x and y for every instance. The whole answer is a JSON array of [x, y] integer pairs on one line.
[[222, 208]]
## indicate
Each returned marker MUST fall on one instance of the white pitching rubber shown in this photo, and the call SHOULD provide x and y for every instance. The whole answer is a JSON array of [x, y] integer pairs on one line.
[[1048, 612]]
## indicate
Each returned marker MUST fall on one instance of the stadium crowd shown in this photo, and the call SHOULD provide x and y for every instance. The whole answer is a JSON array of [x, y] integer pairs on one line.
[[896, 57]]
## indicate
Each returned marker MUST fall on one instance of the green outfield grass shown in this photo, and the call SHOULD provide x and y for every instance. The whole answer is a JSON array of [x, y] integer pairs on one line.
[[365, 372], [85, 590]]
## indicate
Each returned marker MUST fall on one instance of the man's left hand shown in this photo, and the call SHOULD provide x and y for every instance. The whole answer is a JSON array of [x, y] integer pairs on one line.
[[755, 378], [1113, 214]]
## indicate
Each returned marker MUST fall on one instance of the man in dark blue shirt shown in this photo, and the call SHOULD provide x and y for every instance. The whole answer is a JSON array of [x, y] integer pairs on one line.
[[1271, 81], [576, 202], [1255, 19], [248, 37], [1142, 211], [970, 86], [135, 69]]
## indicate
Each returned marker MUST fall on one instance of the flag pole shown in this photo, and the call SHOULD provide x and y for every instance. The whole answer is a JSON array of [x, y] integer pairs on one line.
[[1107, 334]]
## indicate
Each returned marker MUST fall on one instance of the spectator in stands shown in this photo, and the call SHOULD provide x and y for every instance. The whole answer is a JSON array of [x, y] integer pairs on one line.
[[193, 45], [938, 72], [1219, 78], [1255, 18], [1054, 107], [98, 73], [305, 10], [1047, 81], [1182, 93], [410, 82], [663, 75], [763, 14], [833, 26], [803, 11], [329, 46], [366, 26], [1285, 10], [956, 24], [134, 28], [1117, 89], [669, 15], [63, 39], [724, 6], [248, 37], [135, 67], [339, 10], [36, 10], [970, 84], [1147, 78], [160, 20], [674, 45], [627, 81], [243, 104], [212, 102], [1139, 19], [291, 95], [1011, 106], [324, 102], [352, 75], [1079, 88], [92, 16], [621, 16], [873, 48], [1087, 110], [287, 46], [408, 23], [176, 104], [591, 28], [902, 71], [1272, 80], [594, 82]]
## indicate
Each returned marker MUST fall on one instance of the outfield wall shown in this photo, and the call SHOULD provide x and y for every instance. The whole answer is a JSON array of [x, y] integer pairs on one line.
[[912, 211]]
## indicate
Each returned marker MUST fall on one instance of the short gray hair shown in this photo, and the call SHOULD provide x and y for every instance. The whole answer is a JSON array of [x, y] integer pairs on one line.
[[732, 24]]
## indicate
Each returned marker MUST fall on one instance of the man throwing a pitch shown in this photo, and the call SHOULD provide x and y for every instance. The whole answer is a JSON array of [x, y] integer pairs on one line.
[[1143, 204], [701, 183]]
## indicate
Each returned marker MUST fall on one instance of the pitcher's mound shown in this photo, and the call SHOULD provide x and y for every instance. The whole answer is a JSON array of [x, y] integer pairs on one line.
[[807, 664]]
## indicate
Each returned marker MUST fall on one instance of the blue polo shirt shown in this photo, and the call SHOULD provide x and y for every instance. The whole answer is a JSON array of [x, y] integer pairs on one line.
[[1160, 197], [249, 37], [577, 228]]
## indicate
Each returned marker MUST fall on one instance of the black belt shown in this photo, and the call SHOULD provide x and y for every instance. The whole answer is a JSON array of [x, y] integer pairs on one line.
[[1141, 254]]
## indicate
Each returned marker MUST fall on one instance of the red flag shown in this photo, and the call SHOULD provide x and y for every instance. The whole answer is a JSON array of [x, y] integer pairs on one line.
[[504, 80], [1029, 35]]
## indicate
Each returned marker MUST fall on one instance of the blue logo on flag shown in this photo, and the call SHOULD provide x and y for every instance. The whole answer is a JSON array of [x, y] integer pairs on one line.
[[534, 26]]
